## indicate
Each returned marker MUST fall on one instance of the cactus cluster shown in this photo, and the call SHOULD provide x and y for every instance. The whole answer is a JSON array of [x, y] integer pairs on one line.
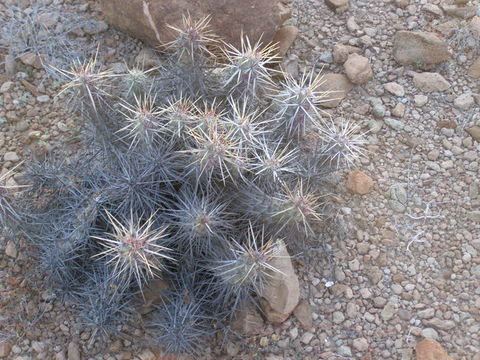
[[190, 173]]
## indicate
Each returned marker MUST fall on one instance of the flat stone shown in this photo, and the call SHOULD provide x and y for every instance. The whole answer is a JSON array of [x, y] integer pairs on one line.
[[303, 313], [440, 324], [419, 48], [430, 82], [420, 100], [474, 132], [395, 89], [394, 123], [338, 85]]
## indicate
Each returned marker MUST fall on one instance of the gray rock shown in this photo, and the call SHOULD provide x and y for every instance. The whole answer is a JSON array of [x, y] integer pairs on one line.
[[11, 156], [394, 123], [429, 333], [338, 317], [426, 314], [345, 350], [388, 311]]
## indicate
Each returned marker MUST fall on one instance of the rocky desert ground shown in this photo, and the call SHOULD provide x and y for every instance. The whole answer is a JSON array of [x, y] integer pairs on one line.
[[406, 266]]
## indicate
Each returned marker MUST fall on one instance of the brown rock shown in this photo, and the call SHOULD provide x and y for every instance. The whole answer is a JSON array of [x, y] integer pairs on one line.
[[33, 60], [429, 349], [284, 38], [447, 28], [341, 52], [474, 70], [338, 85], [5, 349], [359, 182], [303, 313], [358, 69], [474, 132], [394, 89], [419, 48], [283, 290], [271, 315], [248, 321], [430, 82], [147, 20]]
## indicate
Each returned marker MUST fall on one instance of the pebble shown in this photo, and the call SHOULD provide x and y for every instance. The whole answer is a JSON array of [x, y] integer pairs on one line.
[[6, 87], [11, 156], [359, 182], [395, 89], [464, 101], [307, 337], [11, 249], [388, 311], [338, 317], [430, 333], [43, 98], [420, 100], [394, 123], [360, 344]]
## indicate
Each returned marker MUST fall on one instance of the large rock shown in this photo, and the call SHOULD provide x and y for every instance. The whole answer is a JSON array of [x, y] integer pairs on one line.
[[338, 85], [430, 82], [419, 48], [429, 349], [282, 292], [148, 19]]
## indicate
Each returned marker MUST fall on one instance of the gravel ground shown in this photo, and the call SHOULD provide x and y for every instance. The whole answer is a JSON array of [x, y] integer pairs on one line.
[[409, 265]]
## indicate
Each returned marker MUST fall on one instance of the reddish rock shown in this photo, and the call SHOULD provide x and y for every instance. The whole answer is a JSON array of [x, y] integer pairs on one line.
[[359, 182], [429, 349], [148, 19]]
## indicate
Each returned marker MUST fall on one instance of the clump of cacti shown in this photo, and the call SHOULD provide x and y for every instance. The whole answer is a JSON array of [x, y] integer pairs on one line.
[[190, 173]]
